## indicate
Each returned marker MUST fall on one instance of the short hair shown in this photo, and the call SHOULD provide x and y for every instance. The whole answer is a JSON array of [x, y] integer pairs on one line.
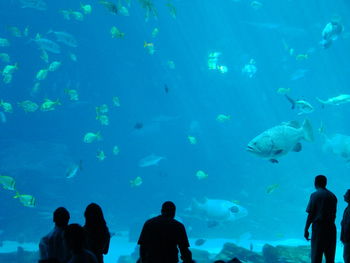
[[321, 181], [347, 192], [61, 216], [168, 209]]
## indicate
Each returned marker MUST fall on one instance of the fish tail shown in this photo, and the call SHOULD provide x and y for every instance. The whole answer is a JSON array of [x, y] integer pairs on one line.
[[307, 130], [16, 195], [99, 136], [291, 101]]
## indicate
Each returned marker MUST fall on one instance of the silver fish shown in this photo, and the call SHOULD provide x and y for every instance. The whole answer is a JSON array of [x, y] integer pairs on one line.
[[47, 45], [73, 170], [64, 38], [150, 160], [280, 140], [34, 4]]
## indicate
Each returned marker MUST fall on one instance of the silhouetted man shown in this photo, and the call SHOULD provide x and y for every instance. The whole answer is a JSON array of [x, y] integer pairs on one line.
[[52, 247], [322, 210], [345, 229], [162, 237]]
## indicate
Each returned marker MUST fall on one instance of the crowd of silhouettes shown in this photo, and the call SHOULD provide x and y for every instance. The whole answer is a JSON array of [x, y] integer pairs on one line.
[[163, 237], [322, 209], [74, 243]]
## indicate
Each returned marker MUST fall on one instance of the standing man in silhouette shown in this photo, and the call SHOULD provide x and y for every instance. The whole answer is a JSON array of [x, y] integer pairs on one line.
[[52, 247], [345, 229], [322, 210], [162, 237]]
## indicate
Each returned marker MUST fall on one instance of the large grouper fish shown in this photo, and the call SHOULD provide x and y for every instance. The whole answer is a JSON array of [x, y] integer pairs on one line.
[[280, 140]]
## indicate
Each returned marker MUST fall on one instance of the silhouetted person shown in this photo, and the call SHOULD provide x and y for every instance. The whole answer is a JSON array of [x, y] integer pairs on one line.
[[345, 229], [322, 210], [162, 237], [98, 236], [52, 247], [75, 237]]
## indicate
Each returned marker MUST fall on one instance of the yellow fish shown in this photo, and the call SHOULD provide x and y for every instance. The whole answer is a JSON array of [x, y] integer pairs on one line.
[[116, 33], [49, 105], [116, 101], [301, 57], [101, 155], [26, 200], [91, 137], [201, 175], [7, 182], [116, 150], [283, 90], [104, 120], [271, 188], [149, 47], [192, 139], [136, 182], [223, 118], [102, 109]]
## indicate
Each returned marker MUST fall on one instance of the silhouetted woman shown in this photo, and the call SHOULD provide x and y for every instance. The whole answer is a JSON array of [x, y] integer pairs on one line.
[[98, 236]]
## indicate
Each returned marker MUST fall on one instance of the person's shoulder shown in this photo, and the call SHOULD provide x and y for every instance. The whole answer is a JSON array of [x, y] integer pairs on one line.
[[152, 220], [177, 223], [330, 193]]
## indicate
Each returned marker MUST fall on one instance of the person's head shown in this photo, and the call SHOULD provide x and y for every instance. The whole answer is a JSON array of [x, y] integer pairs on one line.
[[347, 196], [320, 181], [94, 216], [74, 236], [61, 217], [168, 209]]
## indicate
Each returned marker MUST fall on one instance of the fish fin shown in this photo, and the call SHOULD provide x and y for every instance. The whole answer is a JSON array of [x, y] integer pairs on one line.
[[322, 101], [297, 148], [273, 161], [307, 129], [278, 151], [294, 124], [291, 101]]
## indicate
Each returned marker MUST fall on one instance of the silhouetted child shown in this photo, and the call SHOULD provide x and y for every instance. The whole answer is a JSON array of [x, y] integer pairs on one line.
[[97, 233], [52, 248], [345, 229], [75, 238]]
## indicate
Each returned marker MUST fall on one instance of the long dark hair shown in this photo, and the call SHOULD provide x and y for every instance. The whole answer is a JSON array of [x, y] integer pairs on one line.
[[94, 218]]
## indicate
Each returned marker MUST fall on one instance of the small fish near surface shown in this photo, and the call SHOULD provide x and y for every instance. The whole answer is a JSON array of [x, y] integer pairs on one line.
[[150, 160], [280, 140], [303, 106]]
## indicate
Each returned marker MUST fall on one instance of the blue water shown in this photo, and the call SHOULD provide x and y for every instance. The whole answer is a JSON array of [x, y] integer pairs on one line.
[[37, 148]]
